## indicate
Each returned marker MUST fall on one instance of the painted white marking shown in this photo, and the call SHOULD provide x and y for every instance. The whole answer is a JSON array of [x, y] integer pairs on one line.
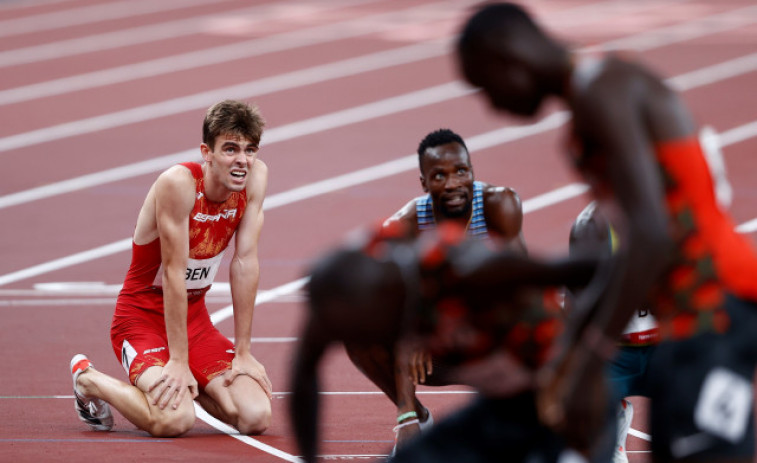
[[283, 394], [639, 434], [365, 456], [256, 88], [365, 112], [91, 14], [18, 6], [362, 176], [223, 427], [715, 73], [204, 99], [57, 302], [63, 262], [361, 26], [747, 227], [262, 298], [282, 133], [690, 30], [272, 340], [380, 393]]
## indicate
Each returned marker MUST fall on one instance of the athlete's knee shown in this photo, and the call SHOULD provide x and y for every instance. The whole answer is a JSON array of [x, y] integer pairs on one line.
[[172, 423], [254, 417]]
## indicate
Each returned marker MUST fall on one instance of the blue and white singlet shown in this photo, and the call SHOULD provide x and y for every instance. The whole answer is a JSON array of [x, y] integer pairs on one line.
[[424, 208]]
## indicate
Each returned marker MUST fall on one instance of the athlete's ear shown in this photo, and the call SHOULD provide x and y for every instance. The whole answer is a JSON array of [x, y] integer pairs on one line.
[[205, 150], [423, 184]]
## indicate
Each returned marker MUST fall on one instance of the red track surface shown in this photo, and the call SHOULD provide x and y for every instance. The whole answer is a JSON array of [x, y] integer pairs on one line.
[[304, 77]]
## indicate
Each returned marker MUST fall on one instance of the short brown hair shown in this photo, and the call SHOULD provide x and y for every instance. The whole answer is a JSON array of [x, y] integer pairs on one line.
[[232, 117]]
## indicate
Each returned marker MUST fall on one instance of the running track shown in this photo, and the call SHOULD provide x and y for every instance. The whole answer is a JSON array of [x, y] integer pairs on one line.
[[98, 97]]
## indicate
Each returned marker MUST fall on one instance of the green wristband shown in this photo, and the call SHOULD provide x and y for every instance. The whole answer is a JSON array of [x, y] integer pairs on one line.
[[405, 416]]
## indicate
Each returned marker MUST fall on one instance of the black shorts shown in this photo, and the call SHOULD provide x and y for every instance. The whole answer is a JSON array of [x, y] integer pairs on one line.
[[702, 392]]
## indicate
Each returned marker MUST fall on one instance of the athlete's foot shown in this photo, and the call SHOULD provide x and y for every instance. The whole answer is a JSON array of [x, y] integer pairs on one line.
[[408, 429], [426, 419], [93, 411]]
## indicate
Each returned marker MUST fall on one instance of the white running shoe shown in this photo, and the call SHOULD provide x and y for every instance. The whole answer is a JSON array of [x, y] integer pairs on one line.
[[95, 412], [424, 425], [625, 415]]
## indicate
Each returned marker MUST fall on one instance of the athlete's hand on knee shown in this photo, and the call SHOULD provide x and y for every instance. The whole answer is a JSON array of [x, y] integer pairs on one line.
[[249, 366], [173, 384]]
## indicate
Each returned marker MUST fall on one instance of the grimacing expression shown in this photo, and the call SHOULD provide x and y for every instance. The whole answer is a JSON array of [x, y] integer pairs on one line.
[[447, 175], [231, 160], [507, 83]]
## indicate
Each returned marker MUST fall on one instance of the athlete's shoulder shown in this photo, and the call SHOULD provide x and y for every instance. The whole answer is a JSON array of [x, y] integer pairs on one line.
[[407, 215], [175, 178], [257, 183], [500, 195]]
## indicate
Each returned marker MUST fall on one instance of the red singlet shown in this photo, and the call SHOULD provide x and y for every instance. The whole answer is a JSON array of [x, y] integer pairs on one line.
[[711, 258], [138, 329]]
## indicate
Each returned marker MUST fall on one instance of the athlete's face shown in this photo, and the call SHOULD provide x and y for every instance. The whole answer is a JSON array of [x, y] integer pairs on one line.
[[447, 175], [230, 161], [507, 82]]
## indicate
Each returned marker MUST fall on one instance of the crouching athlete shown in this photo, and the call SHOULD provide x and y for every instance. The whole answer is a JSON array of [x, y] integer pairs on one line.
[[485, 314]]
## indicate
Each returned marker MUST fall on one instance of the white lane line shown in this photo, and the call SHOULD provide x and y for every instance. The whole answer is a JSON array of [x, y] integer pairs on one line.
[[747, 227], [259, 14], [225, 428], [479, 142], [690, 30], [92, 14], [333, 120], [5, 7], [362, 456], [364, 393], [204, 99], [715, 73], [284, 394], [297, 194], [262, 298], [352, 28], [639, 434], [173, 29], [282, 133], [256, 88], [63, 262], [87, 302]]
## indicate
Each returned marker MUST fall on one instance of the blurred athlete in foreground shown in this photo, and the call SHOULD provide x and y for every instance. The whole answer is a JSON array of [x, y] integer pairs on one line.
[[161, 330], [636, 144], [486, 315]]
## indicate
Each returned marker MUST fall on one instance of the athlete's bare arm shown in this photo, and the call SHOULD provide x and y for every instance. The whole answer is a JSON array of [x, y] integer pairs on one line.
[[412, 366], [504, 216], [305, 403], [244, 276], [407, 216], [174, 196], [613, 123]]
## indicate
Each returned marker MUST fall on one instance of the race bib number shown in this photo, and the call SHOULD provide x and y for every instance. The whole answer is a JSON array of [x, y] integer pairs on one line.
[[724, 405], [200, 273]]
